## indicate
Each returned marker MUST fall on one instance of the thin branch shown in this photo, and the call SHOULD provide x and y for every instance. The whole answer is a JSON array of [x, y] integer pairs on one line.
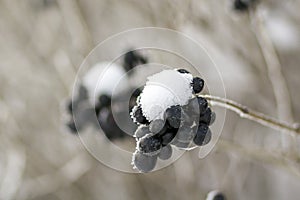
[[252, 115]]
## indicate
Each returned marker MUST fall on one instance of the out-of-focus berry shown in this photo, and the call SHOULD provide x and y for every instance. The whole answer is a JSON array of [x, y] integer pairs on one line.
[[173, 116], [144, 163]]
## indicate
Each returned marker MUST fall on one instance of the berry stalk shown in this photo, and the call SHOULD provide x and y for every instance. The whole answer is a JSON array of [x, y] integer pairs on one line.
[[252, 115]]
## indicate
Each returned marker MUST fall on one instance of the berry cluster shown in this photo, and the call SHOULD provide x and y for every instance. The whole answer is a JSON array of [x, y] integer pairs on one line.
[[180, 126], [81, 110]]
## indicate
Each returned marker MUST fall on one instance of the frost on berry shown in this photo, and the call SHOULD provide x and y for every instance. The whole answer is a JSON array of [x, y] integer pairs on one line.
[[172, 116]]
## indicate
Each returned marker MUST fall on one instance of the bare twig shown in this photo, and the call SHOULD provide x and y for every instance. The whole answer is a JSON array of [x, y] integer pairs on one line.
[[280, 88], [252, 115]]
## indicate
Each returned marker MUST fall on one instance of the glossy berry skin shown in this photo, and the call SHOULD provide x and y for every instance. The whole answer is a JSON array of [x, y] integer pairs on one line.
[[165, 153], [144, 163], [173, 116], [203, 135], [198, 84], [183, 71], [138, 115], [150, 144]]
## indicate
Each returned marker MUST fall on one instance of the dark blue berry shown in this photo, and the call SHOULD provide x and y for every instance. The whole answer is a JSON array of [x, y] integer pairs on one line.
[[165, 153], [144, 163], [167, 138], [173, 116], [109, 126], [203, 104], [157, 126], [150, 144], [104, 100], [203, 135], [133, 59], [183, 71], [141, 131], [198, 84], [138, 115], [205, 117], [185, 134]]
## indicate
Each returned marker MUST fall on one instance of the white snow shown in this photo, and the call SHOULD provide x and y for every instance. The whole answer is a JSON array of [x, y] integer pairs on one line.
[[103, 78], [164, 89]]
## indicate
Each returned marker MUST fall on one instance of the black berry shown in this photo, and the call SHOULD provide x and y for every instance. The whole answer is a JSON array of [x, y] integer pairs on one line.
[[104, 100], [141, 131], [144, 163], [138, 115], [205, 117], [173, 116], [203, 135], [202, 103], [167, 138], [198, 84], [150, 144], [132, 59], [157, 126]]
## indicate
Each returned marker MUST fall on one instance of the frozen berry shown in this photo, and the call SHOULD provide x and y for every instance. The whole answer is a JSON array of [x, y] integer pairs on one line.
[[165, 153], [141, 131], [138, 115], [203, 135], [203, 104], [109, 125], [185, 134], [198, 84], [183, 71], [144, 163], [167, 138], [157, 126], [205, 117], [192, 108], [173, 116], [150, 144]]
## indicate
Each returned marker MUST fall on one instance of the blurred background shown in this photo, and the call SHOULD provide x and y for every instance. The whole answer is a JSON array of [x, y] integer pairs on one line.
[[42, 45]]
